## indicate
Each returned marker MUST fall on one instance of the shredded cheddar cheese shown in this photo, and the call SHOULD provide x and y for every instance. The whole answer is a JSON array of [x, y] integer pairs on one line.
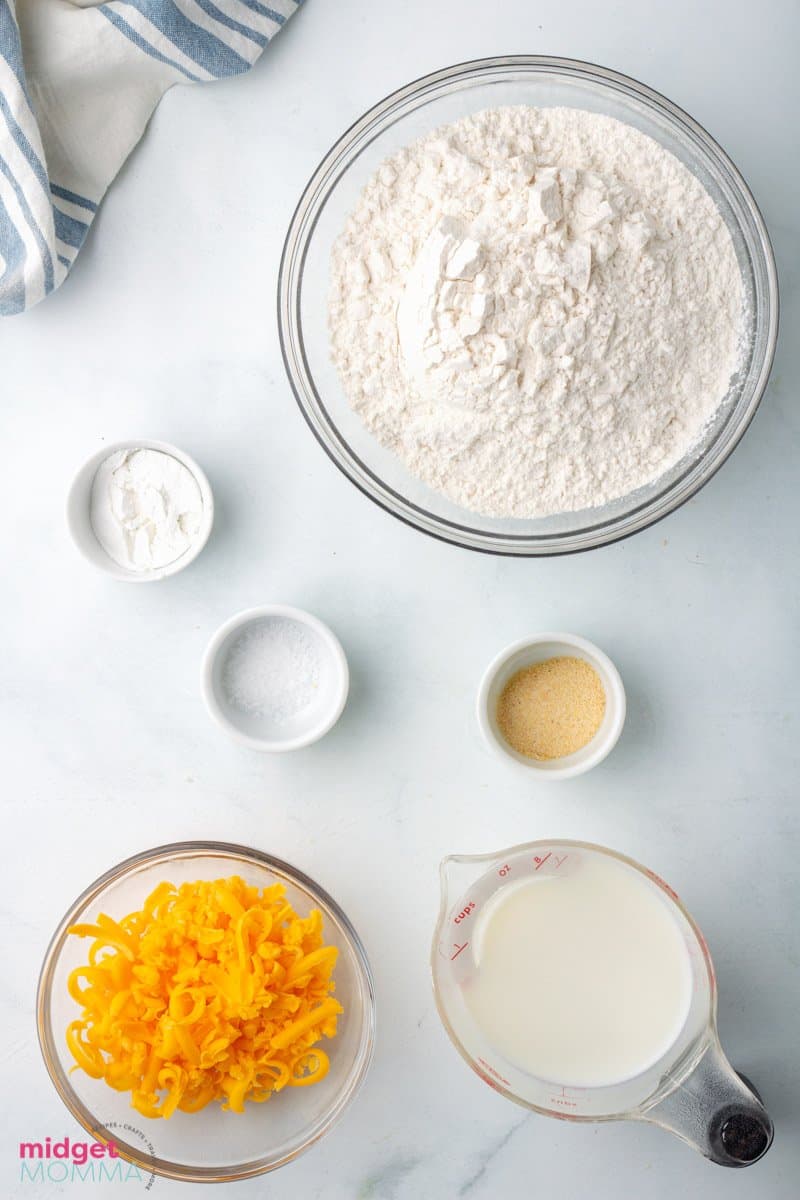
[[214, 991]]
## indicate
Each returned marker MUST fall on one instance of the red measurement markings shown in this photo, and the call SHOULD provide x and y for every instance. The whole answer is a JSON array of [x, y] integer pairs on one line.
[[541, 861], [504, 870], [657, 879], [564, 1101], [458, 950], [493, 1071]]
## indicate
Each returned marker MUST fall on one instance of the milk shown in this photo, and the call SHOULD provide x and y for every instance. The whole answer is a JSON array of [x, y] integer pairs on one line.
[[583, 979]]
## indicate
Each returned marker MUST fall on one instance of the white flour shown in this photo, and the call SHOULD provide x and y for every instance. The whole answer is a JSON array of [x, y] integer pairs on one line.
[[538, 310]]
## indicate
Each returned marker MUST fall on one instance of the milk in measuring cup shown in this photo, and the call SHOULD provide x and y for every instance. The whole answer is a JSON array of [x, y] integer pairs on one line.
[[582, 979]]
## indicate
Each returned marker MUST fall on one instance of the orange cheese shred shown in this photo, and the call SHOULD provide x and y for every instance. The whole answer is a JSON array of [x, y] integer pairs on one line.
[[214, 991]]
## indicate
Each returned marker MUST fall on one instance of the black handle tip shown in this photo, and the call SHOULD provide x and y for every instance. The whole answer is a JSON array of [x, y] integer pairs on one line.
[[745, 1138]]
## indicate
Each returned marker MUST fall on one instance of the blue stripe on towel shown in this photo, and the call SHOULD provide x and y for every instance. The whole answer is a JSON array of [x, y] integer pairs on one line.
[[12, 249], [9, 45], [138, 41], [65, 261], [69, 229], [47, 261], [223, 19], [196, 43], [18, 134], [263, 11], [73, 197]]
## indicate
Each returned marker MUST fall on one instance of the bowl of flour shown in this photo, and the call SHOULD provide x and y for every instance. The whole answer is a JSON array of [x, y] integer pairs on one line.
[[528, 305]]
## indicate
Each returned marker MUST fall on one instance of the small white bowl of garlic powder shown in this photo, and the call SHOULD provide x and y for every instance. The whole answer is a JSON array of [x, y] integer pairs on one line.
[[140, 510]]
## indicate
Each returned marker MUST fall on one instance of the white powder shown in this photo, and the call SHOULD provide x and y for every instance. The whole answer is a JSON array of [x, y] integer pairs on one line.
[[537, 310], [146, 508], [273, 670]]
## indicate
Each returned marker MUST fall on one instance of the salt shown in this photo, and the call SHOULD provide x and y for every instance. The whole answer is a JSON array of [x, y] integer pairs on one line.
[[273, 670]]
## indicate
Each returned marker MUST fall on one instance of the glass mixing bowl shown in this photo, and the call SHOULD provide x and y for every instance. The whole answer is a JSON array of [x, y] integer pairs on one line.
[[210, 1146], [330, 196]]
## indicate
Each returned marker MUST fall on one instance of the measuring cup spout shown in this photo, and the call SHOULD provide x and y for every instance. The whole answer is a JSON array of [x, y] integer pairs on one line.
[[457, 872], [716, 1111]]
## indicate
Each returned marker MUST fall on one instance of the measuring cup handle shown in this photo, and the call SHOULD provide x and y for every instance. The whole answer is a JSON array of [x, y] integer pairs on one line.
[[717, 1111]]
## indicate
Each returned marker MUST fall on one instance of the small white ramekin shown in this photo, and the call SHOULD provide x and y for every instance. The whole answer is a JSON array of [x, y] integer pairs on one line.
[[254, 731], [79, 517], [535, 649]]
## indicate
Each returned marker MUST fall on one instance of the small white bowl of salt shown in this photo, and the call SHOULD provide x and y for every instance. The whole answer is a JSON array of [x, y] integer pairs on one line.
[[275, 678]]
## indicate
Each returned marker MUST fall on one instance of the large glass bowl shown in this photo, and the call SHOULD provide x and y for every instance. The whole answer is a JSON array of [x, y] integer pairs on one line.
[[330, 196], [210, 1146]]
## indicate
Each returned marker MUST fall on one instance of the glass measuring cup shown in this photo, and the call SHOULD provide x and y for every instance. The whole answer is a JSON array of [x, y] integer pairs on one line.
[[691, 1090]]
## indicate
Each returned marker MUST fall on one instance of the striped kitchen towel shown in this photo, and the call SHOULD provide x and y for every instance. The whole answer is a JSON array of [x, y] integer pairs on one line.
[[79, 81]]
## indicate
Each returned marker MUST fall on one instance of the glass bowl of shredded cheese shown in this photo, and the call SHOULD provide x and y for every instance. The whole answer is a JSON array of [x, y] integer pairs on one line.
[[207, 1009], [442, 461]]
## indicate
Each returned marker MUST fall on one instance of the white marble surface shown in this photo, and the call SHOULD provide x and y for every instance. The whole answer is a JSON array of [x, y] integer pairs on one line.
[[167, 328]]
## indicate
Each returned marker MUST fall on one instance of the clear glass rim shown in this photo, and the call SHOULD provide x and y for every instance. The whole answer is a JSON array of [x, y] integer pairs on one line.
[[302, 226], [688, 1060], [166, 854]]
